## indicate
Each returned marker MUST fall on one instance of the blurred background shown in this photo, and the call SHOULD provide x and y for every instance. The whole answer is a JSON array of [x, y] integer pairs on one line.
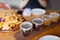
[[51, 4]]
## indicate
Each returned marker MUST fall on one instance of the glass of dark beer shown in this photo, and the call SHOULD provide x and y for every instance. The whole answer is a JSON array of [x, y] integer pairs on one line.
[[26, 28]]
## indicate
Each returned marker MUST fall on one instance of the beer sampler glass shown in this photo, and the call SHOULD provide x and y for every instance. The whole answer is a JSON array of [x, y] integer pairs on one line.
[[26, 28]]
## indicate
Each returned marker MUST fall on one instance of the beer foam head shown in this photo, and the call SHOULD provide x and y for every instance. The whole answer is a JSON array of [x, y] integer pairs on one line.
[[27, 12], [46, 17], [54, 14], [38, 11], [25, 24], [35, 20]]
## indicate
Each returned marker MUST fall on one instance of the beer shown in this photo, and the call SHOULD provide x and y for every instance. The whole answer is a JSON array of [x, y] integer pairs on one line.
[[26, 28], [38, 23], [37, 13], [47, 20], [55, 16]]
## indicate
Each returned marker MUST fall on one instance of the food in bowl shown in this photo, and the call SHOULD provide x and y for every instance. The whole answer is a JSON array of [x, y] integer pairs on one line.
[[9, 20]]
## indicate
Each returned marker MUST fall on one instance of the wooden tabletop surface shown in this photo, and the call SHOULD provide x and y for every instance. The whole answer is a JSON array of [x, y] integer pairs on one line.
[[55, 30]]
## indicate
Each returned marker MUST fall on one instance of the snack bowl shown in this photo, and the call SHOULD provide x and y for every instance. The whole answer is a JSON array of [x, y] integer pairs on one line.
[[10, 22]]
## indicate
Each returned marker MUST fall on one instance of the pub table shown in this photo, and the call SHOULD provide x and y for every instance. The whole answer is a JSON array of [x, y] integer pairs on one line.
[[54, 30]]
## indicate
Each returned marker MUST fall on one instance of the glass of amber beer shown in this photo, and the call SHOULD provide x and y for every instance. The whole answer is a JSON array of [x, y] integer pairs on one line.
[[47, 19], [55, 16]]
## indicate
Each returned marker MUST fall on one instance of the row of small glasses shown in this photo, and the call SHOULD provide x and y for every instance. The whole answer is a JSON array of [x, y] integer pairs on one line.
[[38, 20], [45, 20], [53, 17], [27, 27], [28, 13]]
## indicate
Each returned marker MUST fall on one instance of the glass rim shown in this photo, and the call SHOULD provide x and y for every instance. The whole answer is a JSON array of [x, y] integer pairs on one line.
[[27, 12], [26, 23], [38, 19], [50, 17], [49, 36], [55, 13], [41, 11]]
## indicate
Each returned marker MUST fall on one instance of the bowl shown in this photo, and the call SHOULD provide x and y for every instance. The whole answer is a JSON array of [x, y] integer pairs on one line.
[[50, 37]]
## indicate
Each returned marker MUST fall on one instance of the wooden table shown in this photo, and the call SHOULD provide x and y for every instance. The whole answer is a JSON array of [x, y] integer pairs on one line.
[[55, 30]]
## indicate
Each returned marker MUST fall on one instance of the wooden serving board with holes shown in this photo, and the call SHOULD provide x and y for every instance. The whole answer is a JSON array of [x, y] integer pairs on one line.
[[19, 35]]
